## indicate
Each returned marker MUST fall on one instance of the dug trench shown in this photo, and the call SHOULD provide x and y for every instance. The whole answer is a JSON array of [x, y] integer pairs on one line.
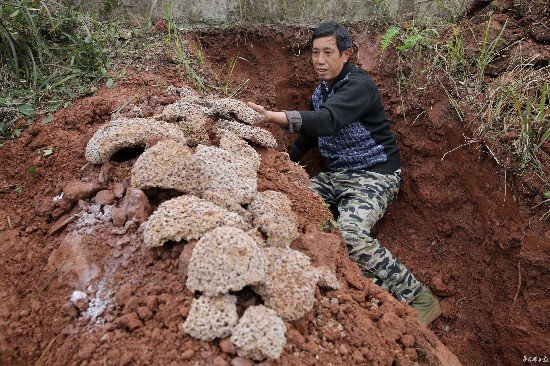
[[479, 246]]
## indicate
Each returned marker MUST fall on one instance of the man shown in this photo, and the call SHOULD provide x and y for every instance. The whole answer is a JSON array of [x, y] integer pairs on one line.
[[348, 123]]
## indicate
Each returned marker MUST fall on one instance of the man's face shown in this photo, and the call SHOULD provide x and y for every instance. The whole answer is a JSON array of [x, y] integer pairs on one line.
[[326, 58]]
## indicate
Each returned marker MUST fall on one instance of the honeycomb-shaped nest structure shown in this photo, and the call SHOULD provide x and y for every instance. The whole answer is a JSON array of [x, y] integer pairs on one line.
[[234, 108], [186, 218], [191, 119], [225, 259], [221, 176], [211, 317], [259, 334], [162, 166], [289, 284], [125, 133], [255, 134], [272, 213], [234, 144]]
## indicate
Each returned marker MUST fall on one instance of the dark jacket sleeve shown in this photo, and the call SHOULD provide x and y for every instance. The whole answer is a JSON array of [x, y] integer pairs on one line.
[[301, 146], [352, 99]]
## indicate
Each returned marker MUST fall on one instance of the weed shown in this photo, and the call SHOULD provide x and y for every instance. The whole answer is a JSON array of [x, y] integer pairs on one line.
[[517, 108], [47, 53], [182, 58], [453, 51], [411, 37], [487, 51]]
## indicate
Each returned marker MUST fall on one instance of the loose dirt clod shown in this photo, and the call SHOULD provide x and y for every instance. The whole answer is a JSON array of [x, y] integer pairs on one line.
[[211, 317], [124, 133], [260, 334], [225, 259], [186, 218]]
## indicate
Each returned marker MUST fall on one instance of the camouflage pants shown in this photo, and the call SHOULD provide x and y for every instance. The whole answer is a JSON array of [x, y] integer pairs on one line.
[[361, 198]]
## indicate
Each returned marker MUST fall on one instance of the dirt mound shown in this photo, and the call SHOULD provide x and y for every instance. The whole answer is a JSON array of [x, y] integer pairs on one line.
[[479, 246]]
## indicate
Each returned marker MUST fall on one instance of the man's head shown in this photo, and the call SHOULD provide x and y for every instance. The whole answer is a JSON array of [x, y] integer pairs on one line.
[[331, 48]]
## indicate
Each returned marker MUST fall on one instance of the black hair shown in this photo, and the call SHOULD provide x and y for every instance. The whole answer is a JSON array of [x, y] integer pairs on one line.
[[332, 28]]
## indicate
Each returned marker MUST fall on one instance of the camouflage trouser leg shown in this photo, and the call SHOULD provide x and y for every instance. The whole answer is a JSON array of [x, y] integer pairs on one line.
[[361, 198]]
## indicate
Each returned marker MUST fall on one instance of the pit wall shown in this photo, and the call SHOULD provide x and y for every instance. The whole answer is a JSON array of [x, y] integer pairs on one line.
[[221, 13]]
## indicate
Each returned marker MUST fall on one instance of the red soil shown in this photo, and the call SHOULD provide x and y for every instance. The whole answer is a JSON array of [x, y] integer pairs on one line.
[[479, 246]]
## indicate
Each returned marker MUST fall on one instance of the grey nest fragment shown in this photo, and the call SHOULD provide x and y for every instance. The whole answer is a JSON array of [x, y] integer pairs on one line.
[[211, 317], [186, 218], [190, 118], [272, 212], [255, 134], [225, 259], [289, 284], [162, 166], [221, 176], [234, 108], [234, 144], [260, 334], [125, 133]]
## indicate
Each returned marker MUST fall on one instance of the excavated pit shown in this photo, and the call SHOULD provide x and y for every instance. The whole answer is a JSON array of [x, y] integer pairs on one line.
[[453, 225]]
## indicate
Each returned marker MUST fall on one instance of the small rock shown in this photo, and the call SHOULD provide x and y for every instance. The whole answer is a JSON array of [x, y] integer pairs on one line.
[[118, 215], [25, 312], [77, 190], [118, 231], [358, 357], [227, 346], [152, 302], [240, 361], [105, 197], [118, 190], [184, 311], [127, 358], [186, 355], [407, 340], [105, 338], [144, 313], [80, 300], [70, 310], [343, 349], [130, 321], [136, 205], [220, 361]]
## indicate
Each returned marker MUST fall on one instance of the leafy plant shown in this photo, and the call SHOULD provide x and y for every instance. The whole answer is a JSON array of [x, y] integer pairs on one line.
[[411, 37], [388, 37]]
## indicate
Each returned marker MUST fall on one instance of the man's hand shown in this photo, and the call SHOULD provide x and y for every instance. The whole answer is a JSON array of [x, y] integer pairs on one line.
[[270, 116]]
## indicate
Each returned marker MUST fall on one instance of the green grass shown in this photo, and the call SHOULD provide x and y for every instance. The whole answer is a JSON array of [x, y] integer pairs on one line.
[[49, 53], [517, 106]]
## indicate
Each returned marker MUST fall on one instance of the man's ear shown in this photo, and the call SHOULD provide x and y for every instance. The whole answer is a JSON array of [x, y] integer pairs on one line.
[[347, 53]]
